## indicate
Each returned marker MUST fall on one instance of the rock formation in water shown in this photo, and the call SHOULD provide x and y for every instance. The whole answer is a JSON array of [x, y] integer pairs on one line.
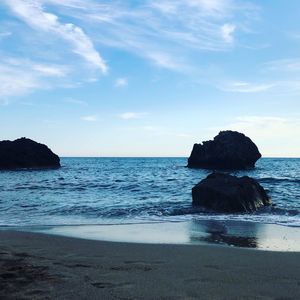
[[228, 150], [226, 193], [26, 153]]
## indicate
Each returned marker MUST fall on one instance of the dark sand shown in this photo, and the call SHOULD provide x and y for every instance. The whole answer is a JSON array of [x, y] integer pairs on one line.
[[39, 266]]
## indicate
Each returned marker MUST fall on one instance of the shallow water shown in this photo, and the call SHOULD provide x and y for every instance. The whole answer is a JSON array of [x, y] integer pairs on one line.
[[135, 190], [240, 234]]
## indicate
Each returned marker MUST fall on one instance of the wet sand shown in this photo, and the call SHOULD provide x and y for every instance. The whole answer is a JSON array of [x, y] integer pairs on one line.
[[40, 266]]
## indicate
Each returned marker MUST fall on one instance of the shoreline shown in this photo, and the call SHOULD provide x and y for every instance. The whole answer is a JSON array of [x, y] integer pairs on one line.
[[237, 234], [43, 266]]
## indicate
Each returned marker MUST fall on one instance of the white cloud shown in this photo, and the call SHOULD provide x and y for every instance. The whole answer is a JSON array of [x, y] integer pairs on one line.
[[4, 34], [164, 32], [209, 5], [245, 87], [47, 70], [294, 35], [75, 101], [121, 82], [165, 60], [15, 82], [165, 7], [21, 76], [131, 115], [279, 77], [32, 12], [68, 3], [91, 118], [167, 33], [227, 31], [283, 65], [280, 87], [267, 127], [211, 8]]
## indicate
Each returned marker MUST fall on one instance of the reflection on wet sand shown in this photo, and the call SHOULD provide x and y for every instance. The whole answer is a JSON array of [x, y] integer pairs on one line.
[[228, 233], [219, 233]]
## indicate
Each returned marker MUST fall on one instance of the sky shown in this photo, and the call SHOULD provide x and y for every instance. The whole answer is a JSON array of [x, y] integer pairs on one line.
[[150, 77]]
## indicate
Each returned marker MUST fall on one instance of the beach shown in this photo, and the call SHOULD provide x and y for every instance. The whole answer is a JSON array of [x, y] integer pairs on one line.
[[149, 150], [42, 266]]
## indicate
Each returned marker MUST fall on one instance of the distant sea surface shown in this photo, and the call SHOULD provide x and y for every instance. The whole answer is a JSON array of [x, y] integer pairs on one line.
[[135, 190]]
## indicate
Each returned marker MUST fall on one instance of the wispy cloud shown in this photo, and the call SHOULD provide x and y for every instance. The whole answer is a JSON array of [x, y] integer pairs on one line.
[[19, 76], [15, 82], [166, 61], [33, 13], [165, 32], [75, 101], [245, 87], [267, 127], [91, 118], [4, 34], [121, 82], [281, 77], [47, 70], [262, 122], [294, 35], [269, 132], [283, 65], [227, 31], [131, 115]]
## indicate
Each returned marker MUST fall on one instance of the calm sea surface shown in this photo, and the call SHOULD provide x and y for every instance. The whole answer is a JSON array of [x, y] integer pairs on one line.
[[135, 190]]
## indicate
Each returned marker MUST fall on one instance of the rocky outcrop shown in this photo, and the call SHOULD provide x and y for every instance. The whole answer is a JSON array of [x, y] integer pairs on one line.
[[25, 153], [226, 193], [228, 150]]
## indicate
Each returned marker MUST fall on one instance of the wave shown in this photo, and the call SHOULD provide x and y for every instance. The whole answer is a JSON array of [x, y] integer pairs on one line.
[[278, 180], [128, 189], [168, 209]]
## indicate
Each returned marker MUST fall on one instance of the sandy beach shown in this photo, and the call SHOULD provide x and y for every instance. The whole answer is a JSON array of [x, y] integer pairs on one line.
[[40, 266]]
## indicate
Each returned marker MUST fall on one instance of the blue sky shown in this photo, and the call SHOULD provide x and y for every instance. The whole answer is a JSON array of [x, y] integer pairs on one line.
[[150, 78]]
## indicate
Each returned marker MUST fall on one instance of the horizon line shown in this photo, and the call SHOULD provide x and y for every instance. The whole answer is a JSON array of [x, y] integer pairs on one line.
[[76, 156]]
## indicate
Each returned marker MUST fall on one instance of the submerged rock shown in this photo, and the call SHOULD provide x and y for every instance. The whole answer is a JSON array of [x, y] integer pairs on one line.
[[226, 193], [26, 153], [228, 150]]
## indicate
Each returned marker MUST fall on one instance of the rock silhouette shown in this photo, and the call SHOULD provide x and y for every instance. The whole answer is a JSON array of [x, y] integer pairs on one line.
[[26, 153], [228, 150], [227, 193]]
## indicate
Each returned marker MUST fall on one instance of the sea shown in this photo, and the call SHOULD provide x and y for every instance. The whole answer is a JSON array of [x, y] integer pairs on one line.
[[124, 191]]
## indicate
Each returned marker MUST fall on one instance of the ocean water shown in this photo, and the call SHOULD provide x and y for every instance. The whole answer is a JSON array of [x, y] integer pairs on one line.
[[135, 190]]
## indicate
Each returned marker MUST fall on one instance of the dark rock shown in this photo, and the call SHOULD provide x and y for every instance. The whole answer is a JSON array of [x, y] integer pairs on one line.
[[226, 193], [228, 150], [25, 153]]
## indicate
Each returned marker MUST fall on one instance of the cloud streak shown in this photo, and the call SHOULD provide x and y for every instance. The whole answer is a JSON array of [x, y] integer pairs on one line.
[[164, 32], [245, 87], [20, 76], [169, 34], [5, 34], [91, 118], [283, 65], [266, 131], [32, 13], [121, 82], [131, 115]]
